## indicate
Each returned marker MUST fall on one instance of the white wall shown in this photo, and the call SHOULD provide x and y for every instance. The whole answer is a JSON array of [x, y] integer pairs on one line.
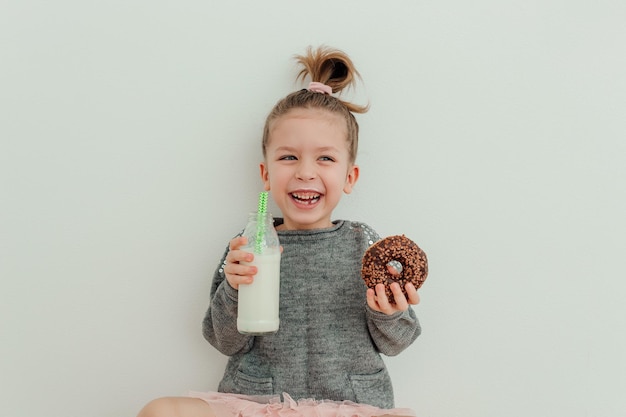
[[129, 149]]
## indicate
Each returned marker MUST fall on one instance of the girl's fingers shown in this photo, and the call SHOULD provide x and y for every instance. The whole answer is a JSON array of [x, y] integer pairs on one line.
[[236, 272], [382, 300], [371, 299], [235, 256], [237, 242], [414, 297], [399, 298], [377, 298]]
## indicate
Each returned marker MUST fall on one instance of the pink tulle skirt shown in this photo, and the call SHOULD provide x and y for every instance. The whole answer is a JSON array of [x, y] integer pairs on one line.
[[235, 405]]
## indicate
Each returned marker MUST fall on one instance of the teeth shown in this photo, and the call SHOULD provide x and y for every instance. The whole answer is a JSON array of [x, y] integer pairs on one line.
[[305, 196]]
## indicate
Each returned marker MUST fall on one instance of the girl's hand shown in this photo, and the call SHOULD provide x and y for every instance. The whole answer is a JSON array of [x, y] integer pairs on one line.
[[235, 272], [378, 301]]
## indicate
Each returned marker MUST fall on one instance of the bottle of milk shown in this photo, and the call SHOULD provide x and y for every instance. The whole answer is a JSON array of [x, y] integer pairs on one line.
[[257, 311]]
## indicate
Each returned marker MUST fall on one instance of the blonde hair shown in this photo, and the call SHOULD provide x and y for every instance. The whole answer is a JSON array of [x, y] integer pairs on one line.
[[335, 69]]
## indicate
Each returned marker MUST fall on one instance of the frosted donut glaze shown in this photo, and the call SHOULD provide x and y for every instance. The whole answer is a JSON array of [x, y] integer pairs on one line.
[[397, 248]]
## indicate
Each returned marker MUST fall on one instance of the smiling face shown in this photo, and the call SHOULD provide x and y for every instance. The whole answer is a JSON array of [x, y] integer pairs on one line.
[[308, 167]]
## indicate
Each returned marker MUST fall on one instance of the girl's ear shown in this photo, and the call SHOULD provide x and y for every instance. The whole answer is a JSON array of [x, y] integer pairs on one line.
[[351, 179], [265, 176]]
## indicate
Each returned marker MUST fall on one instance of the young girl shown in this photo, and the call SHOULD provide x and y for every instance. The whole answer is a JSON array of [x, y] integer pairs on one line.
[[326, 357]]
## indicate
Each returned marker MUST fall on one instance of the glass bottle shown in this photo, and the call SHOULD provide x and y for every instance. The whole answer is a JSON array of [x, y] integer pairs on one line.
[[257, 310]]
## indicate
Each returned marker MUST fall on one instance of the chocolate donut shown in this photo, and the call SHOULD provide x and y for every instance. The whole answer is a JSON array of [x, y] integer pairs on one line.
[[379, 259]]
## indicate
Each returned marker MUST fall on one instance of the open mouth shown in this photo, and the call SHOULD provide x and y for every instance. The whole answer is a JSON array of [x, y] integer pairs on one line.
[[306, 198]]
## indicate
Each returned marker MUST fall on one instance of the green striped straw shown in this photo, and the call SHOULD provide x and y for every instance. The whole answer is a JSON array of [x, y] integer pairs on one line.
[[260, 224]]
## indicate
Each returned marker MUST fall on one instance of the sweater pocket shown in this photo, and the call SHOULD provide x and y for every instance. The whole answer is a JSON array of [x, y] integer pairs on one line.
[[374, 389], [252, 385]]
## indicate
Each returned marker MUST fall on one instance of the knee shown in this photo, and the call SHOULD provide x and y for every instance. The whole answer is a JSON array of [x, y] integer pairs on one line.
[[161, 407]]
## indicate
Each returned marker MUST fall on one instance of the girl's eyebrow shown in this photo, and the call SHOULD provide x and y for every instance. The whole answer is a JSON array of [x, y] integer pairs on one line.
[[322, 149], [328, 149], [284, 149]]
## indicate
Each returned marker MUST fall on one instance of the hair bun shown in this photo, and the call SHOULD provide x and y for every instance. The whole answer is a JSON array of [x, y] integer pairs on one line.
[[329, 66], [337, 69], [332, 67]]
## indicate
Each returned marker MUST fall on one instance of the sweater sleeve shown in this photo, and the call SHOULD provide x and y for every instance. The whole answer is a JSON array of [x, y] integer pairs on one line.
[[392, 334], [219, 326]]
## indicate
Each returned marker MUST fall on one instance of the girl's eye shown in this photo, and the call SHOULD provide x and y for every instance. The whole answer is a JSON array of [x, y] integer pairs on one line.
[[287, 158], [326, 158]]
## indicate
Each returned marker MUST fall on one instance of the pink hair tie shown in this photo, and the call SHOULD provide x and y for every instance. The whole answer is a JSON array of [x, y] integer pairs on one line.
[[320, 88]]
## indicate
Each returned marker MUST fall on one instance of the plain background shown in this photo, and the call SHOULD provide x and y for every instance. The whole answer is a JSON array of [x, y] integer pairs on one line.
[[130, 142]]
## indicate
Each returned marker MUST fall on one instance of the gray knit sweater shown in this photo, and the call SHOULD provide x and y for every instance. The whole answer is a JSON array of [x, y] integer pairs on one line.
[[330, 342]]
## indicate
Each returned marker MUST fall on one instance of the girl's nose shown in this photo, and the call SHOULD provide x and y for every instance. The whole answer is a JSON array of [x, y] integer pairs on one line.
[[305, 171]]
